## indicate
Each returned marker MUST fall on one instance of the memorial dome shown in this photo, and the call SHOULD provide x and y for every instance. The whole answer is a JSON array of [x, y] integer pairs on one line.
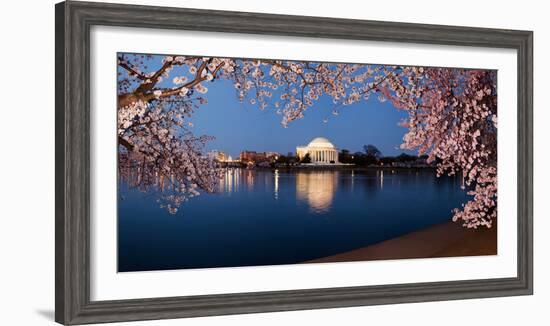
[[320, 142]]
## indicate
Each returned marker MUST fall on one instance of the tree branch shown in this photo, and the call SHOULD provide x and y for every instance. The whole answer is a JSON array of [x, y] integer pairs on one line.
[[123, 64], [125, 143]]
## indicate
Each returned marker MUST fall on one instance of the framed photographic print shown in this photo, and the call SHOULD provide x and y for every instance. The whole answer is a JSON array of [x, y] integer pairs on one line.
[[214, 162]]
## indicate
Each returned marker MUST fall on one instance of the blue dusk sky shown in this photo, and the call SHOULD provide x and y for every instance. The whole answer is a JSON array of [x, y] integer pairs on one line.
[[239, 126], [242, 126]]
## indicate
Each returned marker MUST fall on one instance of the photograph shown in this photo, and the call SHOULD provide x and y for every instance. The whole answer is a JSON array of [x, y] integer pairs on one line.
[[234, 162]]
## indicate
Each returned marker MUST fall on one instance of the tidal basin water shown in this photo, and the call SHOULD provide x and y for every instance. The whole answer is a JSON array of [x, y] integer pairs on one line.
[[270, 217]]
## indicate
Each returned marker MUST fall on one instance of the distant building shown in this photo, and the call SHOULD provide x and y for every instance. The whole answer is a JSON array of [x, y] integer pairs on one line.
[[257, 157], [248, 156], [320, 150], [218, 156], [272, 155]]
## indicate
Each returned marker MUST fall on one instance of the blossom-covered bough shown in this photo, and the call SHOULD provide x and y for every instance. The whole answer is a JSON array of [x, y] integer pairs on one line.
[[451, 116]]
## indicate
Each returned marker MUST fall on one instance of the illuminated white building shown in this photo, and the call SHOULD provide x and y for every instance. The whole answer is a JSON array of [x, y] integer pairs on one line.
[[320, 150], [217, 156]]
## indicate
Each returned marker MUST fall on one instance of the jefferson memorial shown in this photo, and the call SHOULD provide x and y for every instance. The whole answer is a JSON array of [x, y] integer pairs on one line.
[[320, 150]]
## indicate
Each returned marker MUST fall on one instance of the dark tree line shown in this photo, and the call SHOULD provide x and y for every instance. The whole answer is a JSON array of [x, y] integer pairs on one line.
[[371, 155]]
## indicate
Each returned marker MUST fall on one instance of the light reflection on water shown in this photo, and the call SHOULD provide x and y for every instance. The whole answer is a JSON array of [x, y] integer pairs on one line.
[[276, 190], [316, 188]]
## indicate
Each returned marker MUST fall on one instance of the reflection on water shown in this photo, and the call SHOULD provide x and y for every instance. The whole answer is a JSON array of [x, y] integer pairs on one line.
[[317, 189], [230, 181], [249, 179], [263, 217], [276, 190]]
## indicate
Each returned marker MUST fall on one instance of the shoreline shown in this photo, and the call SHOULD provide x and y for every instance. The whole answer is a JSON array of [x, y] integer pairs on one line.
[[447, 239]]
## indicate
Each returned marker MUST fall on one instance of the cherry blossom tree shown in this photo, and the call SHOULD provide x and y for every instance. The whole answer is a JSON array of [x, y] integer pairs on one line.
[[451, 116], [157, 149]]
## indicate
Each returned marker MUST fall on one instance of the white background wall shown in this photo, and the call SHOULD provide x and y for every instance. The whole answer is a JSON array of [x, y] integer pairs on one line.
[[27, 162]]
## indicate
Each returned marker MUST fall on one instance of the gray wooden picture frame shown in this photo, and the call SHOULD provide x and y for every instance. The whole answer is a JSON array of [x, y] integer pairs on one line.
[[72, 170]]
